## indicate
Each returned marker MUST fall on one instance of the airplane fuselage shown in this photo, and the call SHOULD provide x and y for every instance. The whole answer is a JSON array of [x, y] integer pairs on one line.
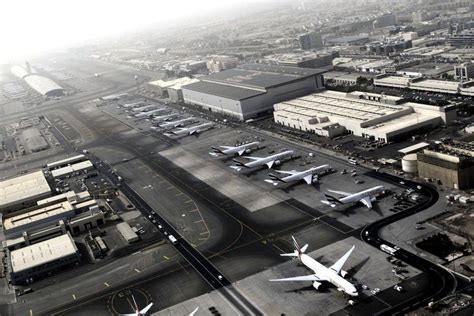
[[329, 275], [301, 175], [236, 150], [193, 129], [362, 194], [177, 123], [276, 158]]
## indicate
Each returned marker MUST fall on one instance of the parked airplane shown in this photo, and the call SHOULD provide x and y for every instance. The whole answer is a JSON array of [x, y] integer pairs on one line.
[[144, 108], [165, 117], [131, 105], [177, 123], [229, 150], [309, 176], [138, 312], [192, 129], [334, 274], [150, 113], [366, 197], [260, 161]]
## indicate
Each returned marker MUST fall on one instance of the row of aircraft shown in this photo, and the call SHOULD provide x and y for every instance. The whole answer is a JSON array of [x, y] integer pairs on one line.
[[321, 274], [309, 176]]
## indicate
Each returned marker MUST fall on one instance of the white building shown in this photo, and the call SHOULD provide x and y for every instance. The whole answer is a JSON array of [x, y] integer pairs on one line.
[[77, 168], [23, 191], [374, 116], [251, 89]]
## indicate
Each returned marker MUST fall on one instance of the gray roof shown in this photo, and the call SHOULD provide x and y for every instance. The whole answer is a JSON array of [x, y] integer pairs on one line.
[[261, 76], [223, 90]]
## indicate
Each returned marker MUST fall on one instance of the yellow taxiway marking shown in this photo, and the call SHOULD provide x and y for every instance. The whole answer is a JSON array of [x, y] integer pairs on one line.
[[156, 176], [179, 193], [166, 257], [74, 296], [204, 233], [107, 284], [136, 270], [199, 221], [188, 201], [162, 181], [195, 210], [169, 188]]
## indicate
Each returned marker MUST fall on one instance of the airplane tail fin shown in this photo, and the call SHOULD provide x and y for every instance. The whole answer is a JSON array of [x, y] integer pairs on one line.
[[217, 150]]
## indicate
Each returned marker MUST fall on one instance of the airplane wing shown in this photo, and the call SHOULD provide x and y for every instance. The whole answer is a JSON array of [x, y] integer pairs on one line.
[[312, 278], [193, 131], [240, 152], [146, 309], [341, 192], [337, 267], [226, 147], [367, 202], [308, 179], [270, 164]]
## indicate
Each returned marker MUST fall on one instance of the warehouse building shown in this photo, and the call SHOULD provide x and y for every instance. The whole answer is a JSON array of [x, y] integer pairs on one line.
[[160, 87], [373, 116], [65, 162], [23, 191], [36, 261], [175, 92], [305, 59], [43, 216], [251, 89], [453, 168], [34, 140], [77, 169], [126, 232], [40, 84]]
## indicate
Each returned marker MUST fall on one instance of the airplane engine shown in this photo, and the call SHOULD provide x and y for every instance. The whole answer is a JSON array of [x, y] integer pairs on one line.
[[248, 151], [315, 179], [343, 273], [373, 199], [277, 162], [316, 285]]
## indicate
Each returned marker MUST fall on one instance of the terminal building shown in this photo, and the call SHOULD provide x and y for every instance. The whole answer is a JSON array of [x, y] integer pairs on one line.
[[373, 116], [251, 89], [23, 191], [39, 260]]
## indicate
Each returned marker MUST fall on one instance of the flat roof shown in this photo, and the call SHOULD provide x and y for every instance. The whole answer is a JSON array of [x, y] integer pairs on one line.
[[403, 81], [25, 187], [72, 168], [65, 161], [413, 148], [42, 253], [166, 84], [261, 76], [438, 84], [223, 90], [37, 215], [80, 196]]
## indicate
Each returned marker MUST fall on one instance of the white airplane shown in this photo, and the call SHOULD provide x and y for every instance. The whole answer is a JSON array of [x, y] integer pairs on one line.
[[334, 274], [131, 105], [260, 161], [309, 176], [144, 108], [366, 197], [192, 129], [138, 312], [149, 113], [177, 123], [229, 150], [165, 117], [113, 97]]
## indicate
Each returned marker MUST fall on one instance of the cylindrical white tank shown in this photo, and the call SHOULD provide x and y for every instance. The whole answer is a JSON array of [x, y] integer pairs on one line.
[[409, 163]]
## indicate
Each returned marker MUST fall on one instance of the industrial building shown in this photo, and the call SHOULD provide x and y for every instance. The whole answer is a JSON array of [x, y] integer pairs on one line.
[[341, 78], [40, 84], [34, 140], [251, 89], [65, 162], [175, 92], [373, 116], [126, 232], [388, 47], [219, 63], [160, 87], [311, 40], [464, 71], [35, 261], [94, 217], [23, 191], [43, 215], [303, 59], [451, 166], [429, 85], [464, 39], [80, 168], [348, 40]]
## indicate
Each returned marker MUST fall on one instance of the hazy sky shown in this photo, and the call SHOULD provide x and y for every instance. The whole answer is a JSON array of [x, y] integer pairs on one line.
[[37, 25]]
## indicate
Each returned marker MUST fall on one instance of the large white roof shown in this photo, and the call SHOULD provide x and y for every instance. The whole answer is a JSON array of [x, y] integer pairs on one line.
[[72, 168], [42, 253], [42, 84], [23, 188]]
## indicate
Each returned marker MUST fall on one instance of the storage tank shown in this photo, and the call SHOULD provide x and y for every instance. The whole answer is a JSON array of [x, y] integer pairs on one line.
[[409, 163]]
